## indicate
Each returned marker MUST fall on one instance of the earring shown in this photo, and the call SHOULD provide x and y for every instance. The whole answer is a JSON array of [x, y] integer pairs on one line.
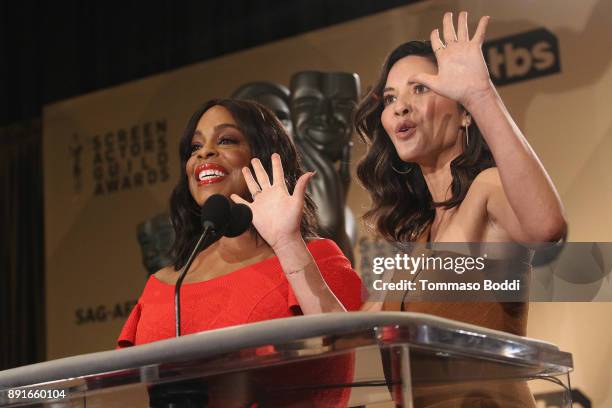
[[467, 123], [401, 172]]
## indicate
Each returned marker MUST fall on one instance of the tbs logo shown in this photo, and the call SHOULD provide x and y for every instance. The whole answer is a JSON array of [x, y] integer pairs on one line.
[[522, 56]]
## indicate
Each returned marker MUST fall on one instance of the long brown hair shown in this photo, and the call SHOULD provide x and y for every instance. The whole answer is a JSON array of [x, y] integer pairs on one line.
[[402, 206], [266, 135]]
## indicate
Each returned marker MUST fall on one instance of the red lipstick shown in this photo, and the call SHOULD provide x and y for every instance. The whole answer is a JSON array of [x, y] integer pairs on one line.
[[209, 173]]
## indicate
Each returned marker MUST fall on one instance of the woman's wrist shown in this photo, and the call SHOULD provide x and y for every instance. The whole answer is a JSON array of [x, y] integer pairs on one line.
[[288, 243], [305, 278], [481, 98], [293, 255], [298, 270]]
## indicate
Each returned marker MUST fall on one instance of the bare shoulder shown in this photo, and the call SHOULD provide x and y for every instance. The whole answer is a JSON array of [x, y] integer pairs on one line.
[[489, 185], [166, 274], [488, 178], [486, 183]]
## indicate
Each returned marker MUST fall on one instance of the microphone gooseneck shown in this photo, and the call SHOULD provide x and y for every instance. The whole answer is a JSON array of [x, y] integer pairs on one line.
[[215, 218]]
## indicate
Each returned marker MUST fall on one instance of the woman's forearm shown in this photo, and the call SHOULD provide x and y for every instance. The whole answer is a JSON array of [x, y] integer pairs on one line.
[[307, 283], [530, 191]]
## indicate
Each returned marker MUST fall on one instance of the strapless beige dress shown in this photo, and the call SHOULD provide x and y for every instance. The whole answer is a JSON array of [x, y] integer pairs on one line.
[[510, 317]]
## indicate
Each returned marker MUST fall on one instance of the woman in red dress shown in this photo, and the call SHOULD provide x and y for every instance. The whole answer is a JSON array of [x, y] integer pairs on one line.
[[277, 269]]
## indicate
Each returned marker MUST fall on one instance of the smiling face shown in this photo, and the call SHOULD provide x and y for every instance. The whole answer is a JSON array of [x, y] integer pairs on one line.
[[219, 151], [423, 126]]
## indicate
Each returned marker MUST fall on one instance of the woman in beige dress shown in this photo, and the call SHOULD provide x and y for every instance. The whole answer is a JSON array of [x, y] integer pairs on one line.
[[447, 163]]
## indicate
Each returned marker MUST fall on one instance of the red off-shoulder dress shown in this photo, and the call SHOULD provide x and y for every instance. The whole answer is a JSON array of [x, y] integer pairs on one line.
[[254, 293]]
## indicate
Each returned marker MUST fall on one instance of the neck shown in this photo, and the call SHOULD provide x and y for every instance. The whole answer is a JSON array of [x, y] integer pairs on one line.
[[437, 174], [238, 249], [438, 178]]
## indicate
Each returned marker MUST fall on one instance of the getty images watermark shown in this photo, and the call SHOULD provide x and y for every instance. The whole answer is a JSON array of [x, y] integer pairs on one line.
[[444, 272], [499, 272], [410, 267]]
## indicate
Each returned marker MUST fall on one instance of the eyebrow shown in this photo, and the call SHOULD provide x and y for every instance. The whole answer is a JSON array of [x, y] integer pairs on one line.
[[224, 126], [218, 128], [390, 88]]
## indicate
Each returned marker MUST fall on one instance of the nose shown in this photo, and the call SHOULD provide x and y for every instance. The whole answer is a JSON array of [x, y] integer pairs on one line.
[[325, 110], [207, 152], [402, 107]]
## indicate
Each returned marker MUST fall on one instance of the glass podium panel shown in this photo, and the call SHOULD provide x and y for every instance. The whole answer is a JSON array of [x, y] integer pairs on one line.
[[303, 362]]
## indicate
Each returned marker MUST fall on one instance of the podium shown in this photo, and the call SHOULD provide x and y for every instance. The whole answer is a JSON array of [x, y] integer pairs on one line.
[[301, 361]]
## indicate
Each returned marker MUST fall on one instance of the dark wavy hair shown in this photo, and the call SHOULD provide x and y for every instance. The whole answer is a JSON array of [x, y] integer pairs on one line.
[[265, 135], [402, 206]]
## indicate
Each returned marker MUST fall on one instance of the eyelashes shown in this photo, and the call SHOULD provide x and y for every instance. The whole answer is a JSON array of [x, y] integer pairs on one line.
[[420, 88], [222, 140], [388, 99], [417, 89], [227, 140]]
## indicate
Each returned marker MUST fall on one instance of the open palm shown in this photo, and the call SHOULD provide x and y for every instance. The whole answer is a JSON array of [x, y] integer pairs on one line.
[[276, 213], [462, 71]]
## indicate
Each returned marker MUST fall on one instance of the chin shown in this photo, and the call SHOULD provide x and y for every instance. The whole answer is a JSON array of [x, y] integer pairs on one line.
[[413, 153], [200, 197], [407, 155]]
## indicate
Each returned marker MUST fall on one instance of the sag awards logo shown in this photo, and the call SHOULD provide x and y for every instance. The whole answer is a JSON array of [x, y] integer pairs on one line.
[[122, 159], [522, 56]]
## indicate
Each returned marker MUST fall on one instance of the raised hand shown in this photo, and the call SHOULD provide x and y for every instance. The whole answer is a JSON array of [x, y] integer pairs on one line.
[[462, 72], [276, 213]]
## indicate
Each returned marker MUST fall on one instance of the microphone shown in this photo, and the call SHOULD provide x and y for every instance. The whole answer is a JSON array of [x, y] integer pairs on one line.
[[240, 220], [216, 213], [215, 218]]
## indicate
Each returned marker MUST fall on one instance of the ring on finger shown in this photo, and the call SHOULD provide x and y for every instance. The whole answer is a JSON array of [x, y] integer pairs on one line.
[[439, 48]]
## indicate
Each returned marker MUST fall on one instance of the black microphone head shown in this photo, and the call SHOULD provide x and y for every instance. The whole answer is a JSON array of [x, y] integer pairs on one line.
[[240, 220], [216, 213]]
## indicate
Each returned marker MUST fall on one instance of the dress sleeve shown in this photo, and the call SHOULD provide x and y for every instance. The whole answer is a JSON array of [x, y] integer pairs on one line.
[[127, 337], [337, 273]]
